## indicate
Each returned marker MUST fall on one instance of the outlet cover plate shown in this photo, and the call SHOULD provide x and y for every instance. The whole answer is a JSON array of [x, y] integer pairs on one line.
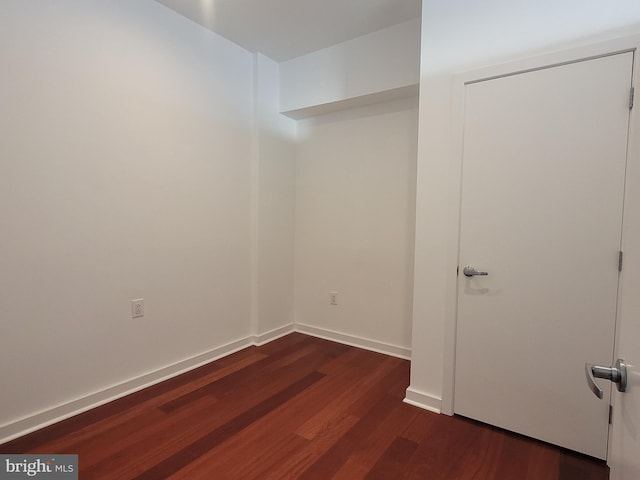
[[137, 308], [333, 298]]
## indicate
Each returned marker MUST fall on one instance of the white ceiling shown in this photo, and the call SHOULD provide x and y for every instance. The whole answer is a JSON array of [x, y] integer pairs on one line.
[[284, 29]]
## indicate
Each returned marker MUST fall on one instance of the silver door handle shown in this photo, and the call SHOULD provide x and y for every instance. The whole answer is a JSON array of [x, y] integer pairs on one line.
[[470, 271], [617, 375]]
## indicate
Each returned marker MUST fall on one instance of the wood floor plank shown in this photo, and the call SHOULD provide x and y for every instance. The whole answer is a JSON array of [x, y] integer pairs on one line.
[[300, 460], [578, 466], [356, 439], [479, 456], [266, 435], [296, 408], [146, 447], [343, 402], [543, 462], [394, 384], [421, 427], [201, 446], [393, 460], [374, 446], [511, 460], [228, 383], [440, 448], [279, 425], [142, 457]]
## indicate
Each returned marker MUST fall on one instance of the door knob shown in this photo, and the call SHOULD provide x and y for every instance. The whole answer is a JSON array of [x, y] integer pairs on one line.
[[470, 271], [617, 375]]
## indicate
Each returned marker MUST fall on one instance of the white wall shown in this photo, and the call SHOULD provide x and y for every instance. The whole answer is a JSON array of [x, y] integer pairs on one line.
[[275, 156], [125, 172], [456, 36], [144, 156], [383, 61], [355, 185]]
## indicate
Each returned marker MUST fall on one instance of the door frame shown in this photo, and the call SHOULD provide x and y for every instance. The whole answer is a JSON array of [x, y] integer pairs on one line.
[[590, 51]]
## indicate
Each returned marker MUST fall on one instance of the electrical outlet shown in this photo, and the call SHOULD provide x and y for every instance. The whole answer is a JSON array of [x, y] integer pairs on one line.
[[333, 298], [137, 308]]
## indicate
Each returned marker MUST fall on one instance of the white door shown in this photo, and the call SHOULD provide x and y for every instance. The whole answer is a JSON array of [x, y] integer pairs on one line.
[[625, 436], [541, 211], [625, 448]]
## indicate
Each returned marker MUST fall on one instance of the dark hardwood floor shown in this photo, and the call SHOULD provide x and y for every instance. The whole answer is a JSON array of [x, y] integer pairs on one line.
[[296, 408]]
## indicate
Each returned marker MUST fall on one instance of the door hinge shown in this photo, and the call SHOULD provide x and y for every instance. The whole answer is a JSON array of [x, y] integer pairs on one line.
[[620, 259], [610, 414], [631, 97], [458, 270]]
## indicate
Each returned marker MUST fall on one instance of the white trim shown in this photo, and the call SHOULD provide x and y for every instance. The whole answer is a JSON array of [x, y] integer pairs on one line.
[[272, 335], [355, 341], [550, 59], [587, 51], [66, 410], [254, 196], [423, 400]]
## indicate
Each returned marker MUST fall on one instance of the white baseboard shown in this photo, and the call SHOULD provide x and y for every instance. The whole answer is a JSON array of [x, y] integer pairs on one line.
[[53, 415], [423, 400], [272, 335], [354, 341]]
